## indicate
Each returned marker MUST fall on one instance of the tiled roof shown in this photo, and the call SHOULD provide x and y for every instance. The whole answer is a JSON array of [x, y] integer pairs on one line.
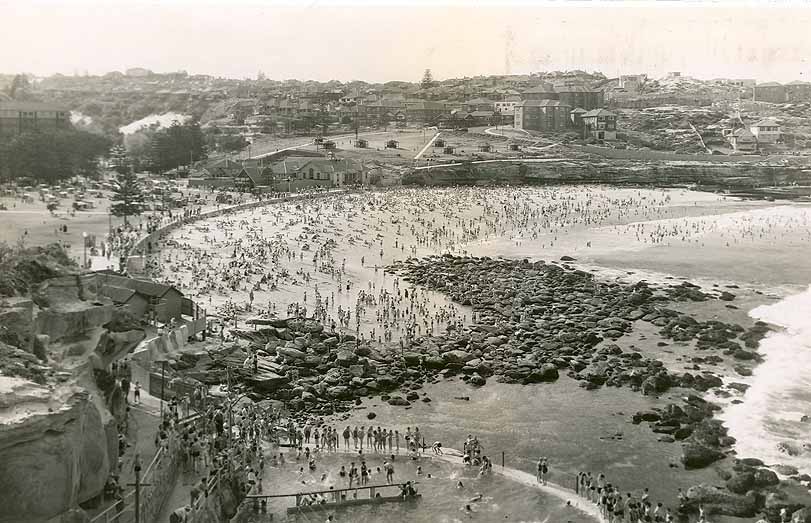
[[766, 122]]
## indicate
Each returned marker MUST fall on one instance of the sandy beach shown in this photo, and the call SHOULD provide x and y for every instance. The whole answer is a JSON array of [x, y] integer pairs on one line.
[[329, 256]]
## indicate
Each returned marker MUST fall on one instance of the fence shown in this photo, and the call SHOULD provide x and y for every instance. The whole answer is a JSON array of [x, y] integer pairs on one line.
[[159, 479]]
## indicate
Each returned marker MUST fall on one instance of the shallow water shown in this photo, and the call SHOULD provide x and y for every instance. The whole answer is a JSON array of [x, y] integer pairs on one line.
[[442, 499], [575, 428]]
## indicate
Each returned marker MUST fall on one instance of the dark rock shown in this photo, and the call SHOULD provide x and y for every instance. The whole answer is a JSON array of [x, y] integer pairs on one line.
[[371, 415], [766, 478], [743, 371], [477, 380], [398, 401], [786, 470], [411, 359], [720, 501], [545, 373], [741, 483], [696, 455]]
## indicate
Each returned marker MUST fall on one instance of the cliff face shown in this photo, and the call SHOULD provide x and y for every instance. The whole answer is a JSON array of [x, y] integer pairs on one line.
[[58, 438], [54, 450]]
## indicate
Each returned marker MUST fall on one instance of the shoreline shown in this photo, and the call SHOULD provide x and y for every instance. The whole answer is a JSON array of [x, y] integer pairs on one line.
[[713, 416]]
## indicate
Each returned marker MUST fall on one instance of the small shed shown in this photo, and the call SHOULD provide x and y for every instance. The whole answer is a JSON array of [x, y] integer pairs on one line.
[[392, 144], [449, 149], [360, 143], [515, 147], [485, 147], [439, 142]]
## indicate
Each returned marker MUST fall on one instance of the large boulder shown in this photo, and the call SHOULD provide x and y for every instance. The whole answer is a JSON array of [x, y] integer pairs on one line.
[[544, 373], [790, 495], [291, 353], [716, 500], [339, 392], [741, 482], [411, 359], [765, 478], [696, 455], [596, 372], [345, 358], [457, 356], [398, 401], [435, 363]]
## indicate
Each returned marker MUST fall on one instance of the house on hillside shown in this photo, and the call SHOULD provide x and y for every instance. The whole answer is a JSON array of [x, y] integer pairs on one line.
[[425, 111], [600, 124], [18, 117], [542, 115], [576, 116], [798, 91], [153, 300], [766, 131], [632, 83], [741, 139], [771, 92], [506, 107], [580, 96], [222, 168], [479, 104]]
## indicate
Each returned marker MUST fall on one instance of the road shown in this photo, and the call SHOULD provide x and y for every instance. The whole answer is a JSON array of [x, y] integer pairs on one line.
[[522, 160], [427, 145], [508, 132]]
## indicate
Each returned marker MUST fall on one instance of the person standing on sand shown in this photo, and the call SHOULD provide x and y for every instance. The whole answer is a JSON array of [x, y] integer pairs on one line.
[[136, 394]]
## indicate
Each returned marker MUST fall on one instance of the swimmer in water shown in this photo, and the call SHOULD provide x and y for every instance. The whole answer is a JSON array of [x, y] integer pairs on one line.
[[459, 484], [477, 497]]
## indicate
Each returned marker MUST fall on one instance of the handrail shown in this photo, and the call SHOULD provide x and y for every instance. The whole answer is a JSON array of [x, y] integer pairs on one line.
[[332, 491]]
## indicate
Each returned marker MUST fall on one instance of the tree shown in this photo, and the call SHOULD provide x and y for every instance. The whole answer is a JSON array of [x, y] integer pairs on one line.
[[52, 155], [180, 144], [128, 196], [18, 86], [427, 80]]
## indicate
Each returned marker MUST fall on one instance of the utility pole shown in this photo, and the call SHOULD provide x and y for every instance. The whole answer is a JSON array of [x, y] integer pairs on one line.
[[230, 409], [138, 486], [163, 382]]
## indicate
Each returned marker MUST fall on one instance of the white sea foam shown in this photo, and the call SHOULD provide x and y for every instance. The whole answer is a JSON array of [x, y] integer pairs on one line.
[[780, 388]]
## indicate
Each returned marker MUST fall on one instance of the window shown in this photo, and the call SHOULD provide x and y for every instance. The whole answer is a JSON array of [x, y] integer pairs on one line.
[[311, 173]]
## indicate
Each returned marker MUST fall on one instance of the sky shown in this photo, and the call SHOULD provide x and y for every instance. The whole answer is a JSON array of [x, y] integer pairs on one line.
[[378, 41]]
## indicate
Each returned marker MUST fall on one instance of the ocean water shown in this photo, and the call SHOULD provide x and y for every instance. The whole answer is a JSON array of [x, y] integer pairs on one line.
[[768, 423]]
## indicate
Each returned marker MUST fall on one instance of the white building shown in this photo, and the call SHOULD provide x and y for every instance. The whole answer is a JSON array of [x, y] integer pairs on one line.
[[766, 131]]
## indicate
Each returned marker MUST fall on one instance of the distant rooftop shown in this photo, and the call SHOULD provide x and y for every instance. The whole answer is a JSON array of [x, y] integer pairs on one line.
[[15, 105]]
